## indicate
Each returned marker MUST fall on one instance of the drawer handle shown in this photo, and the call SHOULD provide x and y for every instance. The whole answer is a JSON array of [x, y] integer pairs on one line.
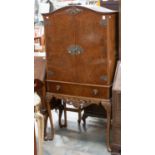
[[95, 92], [58, 87]]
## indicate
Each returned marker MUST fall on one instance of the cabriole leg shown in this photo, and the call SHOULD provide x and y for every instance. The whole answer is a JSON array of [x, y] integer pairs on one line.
[[108, 110]]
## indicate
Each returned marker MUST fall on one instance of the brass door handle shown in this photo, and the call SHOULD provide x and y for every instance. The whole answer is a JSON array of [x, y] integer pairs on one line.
[[75, 49], [95, 92], [58, 87]]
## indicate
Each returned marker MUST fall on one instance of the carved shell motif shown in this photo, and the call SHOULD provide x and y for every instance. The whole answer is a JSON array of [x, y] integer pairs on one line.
[[74, 11]]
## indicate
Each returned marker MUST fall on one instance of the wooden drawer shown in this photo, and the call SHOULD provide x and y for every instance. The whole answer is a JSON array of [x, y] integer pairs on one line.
[[77, 89]]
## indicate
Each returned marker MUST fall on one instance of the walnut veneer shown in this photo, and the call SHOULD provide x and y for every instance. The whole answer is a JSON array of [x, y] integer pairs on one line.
[[81, 56]]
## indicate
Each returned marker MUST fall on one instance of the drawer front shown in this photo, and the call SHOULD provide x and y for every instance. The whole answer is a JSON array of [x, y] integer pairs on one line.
[[78, 90]]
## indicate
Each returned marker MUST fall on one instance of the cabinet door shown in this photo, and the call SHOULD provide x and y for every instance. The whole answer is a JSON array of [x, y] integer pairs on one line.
[[91, 36], [59, 37]]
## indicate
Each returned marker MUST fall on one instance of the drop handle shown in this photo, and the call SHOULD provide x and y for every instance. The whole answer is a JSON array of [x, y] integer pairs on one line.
[[58, 87], [95, 92]]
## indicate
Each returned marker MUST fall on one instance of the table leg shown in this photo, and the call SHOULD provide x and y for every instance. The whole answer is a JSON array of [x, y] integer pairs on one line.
[[48, 112], [79, 115], [51, 120], [107, 106], [65, 114], [45, 125]]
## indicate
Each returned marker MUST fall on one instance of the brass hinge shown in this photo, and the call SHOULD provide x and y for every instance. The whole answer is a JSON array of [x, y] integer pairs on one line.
[[103, 21]]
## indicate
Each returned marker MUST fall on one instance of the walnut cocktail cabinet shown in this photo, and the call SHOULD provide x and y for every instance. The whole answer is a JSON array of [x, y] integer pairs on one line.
[[80, 51]]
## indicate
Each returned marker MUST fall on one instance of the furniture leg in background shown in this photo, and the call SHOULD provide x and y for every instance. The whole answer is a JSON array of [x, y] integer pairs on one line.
[[40, 123], [94, 110], [77, 108], [116, 112], [35, 144], [48, 114]]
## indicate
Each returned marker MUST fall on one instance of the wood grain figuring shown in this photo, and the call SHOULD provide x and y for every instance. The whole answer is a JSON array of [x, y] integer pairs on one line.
[[79, 90], [96, 40], [95, 47], [60, 34]]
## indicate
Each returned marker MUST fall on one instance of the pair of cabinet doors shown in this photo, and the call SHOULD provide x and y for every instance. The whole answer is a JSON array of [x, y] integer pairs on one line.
[[80, 45]]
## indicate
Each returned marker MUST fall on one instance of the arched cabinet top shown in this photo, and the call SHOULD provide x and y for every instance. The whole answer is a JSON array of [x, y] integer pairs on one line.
[[76, 8]]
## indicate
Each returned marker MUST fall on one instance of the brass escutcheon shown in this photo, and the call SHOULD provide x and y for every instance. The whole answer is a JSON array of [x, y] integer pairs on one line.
[[74, 11], [75, 50], [58, 87], [95, 91]]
